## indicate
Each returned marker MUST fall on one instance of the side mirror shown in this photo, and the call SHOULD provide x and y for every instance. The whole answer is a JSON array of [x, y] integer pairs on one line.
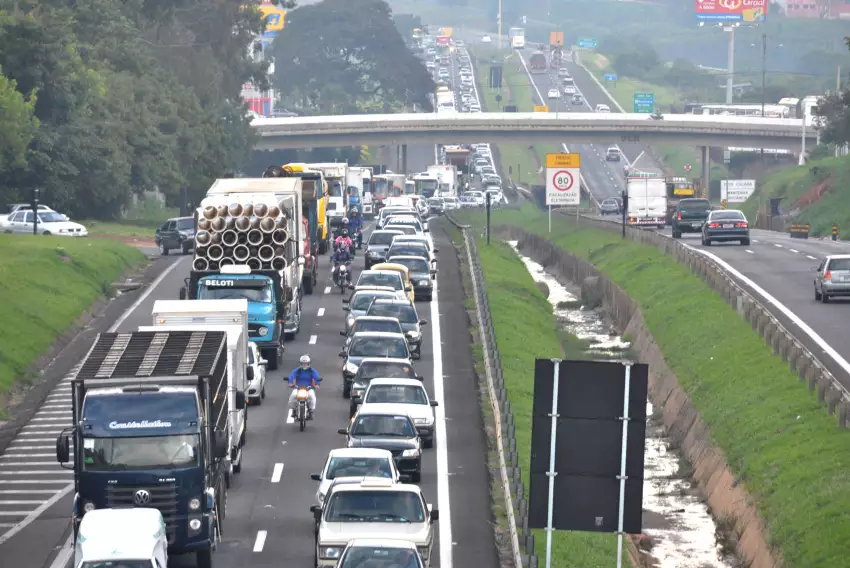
[[182, 293], [240, 400], [420, 378], [346, 300], [423, 322], [317, 512], [342, 333], [435, 403], [250, 373], [404, 478], [341, 353], [342, 431], [346, 309], [433, 274], [316, 476], [220, 444], [415, 356], [264, 362], [436, 250], [63, 448], [435, 515], [351, 286], [356, 398]]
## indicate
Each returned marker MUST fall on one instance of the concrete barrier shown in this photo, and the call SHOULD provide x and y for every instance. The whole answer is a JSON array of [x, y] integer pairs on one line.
[[725, 496]]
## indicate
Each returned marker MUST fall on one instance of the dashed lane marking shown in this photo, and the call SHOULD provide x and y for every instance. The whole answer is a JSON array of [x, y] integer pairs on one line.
[[749, 251], [811, 257], [313, 339], [327, 289], [321, 312], [277, 472], [794, 251], [261, 541]]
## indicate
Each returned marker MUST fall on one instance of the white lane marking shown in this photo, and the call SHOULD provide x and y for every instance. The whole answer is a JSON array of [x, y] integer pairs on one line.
[[13, 456], [777, 245], [148, 291], [804, 327], [313, 339], [756, 241], [34, 482], [327, 289], [261, 541], [289, 418], [50, 463], [277, 472], [25, 491], [33, 515], [443, 496], [20, 502], [321, 312], [749, 251], [810, 257], [794, 251], [62, 472]]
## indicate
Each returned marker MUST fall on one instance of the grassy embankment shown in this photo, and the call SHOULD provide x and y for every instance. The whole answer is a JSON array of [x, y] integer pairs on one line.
[[525, 330], [777, 439], [140, 222], [792, 184], [623, 90], [46, 283]]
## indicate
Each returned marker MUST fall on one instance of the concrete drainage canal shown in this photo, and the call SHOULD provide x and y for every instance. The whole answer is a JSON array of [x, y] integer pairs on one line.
[[678, 529]]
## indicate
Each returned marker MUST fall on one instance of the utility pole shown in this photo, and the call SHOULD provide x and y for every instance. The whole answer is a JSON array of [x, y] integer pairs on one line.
[[499, 26], [730, 65], [763, 76]]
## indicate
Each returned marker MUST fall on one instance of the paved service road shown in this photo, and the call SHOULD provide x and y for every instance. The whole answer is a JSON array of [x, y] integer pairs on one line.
[[603, 178], [274, 491]]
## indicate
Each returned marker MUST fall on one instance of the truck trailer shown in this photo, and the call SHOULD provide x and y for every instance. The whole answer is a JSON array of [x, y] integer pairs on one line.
[[150, 429]]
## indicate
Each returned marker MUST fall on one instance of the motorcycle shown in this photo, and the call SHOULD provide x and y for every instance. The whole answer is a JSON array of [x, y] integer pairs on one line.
[[301, 398], [342, 276], [358, 238]]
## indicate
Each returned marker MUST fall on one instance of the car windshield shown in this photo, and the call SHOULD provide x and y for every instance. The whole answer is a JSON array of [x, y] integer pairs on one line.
[[839, 264], [701, 205], [51, 217], [185, 224], [609, 202], [381, 238], [385, 326], [408, 249], [117, 564], [384, 425], [380, 279], [379, 557], [148, 452], [417, 265], [358, 467], [727, 216], [396, 394], [375, 507], [363, 301], [392, 347], [405, 313], [385, 370], [406, 229]]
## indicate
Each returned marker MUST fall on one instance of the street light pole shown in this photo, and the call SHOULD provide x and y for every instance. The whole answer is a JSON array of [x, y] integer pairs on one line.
[[763, 75], [730, 65], [499, 26]]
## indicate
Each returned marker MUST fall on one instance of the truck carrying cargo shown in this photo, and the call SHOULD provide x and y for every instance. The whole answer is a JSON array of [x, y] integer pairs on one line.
[[647, 200], [150, 415], [447, 180], [335, 177]]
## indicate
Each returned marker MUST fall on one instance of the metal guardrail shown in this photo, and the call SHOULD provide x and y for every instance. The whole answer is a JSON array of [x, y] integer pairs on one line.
[[516, 502]]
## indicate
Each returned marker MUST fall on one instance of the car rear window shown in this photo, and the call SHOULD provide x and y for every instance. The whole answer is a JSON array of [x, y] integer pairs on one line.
[[727, 216], [839, 264], [702, 204]]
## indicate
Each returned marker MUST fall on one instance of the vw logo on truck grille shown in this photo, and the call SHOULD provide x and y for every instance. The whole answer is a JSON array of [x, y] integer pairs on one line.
[[142, 497]]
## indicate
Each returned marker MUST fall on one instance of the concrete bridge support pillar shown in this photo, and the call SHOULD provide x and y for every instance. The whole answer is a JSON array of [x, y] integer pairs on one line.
[[705, 162], [404, 158]]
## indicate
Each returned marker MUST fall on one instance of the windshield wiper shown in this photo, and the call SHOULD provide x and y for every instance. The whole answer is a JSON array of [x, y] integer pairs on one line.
[[393, 517]]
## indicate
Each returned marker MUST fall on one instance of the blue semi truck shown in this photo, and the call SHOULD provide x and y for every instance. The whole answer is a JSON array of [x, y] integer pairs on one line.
[[150, 429]]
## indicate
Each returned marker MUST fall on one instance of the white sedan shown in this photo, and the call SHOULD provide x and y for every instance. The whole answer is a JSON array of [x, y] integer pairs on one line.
[[554, 94], [569, 90]]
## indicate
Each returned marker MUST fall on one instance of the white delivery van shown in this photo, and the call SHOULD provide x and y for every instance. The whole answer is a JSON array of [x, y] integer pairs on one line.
[[122, 537]]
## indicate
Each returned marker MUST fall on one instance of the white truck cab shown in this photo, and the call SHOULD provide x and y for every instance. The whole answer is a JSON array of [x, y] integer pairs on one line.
[[132, 538]]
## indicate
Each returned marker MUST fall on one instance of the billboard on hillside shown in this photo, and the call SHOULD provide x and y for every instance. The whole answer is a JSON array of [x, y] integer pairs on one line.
[[556, 38], [745, 11]]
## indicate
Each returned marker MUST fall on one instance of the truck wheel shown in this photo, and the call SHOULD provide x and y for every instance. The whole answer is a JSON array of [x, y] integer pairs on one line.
[[308, 283], [323, 247]]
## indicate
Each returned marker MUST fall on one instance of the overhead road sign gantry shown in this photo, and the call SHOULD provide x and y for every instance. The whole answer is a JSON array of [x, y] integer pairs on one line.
[[563, 179]]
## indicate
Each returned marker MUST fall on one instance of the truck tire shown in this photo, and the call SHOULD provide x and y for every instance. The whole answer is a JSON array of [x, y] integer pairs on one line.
[[323, 246], [308, 283]]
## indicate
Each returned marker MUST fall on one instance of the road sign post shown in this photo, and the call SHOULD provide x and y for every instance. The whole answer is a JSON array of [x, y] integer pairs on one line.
[[644, 103], [563, 181]]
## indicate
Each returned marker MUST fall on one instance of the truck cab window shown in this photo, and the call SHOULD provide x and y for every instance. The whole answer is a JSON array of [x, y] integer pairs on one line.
[[251, 294]]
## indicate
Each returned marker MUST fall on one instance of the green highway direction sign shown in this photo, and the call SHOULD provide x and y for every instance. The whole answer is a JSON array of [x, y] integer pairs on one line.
[[644, 103], [587, 42]]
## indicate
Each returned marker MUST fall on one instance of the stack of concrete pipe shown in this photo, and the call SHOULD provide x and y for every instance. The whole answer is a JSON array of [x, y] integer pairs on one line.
[[252, 234]]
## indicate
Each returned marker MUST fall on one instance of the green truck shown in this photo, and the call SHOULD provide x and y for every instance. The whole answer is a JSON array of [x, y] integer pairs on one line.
[[689, 216]]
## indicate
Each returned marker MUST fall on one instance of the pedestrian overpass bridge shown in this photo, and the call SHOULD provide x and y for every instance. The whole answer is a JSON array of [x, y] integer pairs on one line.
[[528, 128]]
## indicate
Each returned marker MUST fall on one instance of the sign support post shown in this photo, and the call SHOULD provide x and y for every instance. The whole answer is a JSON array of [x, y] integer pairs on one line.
[[552, 473], [622, 476], [550, 218]]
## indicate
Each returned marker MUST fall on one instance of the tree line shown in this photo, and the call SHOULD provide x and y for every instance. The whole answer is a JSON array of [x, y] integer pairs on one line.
[[101, 99]]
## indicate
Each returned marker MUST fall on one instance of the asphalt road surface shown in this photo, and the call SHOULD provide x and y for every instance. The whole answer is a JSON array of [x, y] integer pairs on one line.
[[268, 521], [602, 178]]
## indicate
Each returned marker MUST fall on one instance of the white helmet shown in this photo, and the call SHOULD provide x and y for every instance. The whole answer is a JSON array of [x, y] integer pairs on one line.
[[305, 360]]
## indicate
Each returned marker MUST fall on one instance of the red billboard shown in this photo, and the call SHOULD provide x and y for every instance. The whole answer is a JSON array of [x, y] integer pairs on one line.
[[745, 11]]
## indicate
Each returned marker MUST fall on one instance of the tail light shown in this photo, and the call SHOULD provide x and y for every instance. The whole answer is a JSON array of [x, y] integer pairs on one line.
[[828, 275], [741, 225], [679, 216], [713, 225]]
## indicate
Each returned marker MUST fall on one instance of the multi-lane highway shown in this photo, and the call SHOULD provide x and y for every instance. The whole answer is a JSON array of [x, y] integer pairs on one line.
[[603, 178], [268, 522]]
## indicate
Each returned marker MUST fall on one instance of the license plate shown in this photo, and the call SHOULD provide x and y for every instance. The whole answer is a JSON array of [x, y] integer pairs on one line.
[[728, 226], [845, 278]]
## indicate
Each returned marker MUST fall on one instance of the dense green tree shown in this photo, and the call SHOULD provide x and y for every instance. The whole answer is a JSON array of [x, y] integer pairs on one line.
[[339, 56], [835, 112], [17, 124]]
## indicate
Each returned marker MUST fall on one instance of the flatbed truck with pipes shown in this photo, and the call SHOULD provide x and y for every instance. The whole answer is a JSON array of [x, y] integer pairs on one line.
[[247, 246], [150, 429]]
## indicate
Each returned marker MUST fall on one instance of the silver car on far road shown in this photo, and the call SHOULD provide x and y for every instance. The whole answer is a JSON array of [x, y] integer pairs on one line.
[[832, 277]]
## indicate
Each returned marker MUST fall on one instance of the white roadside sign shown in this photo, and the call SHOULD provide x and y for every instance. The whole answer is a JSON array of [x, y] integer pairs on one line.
[[563, 179], [737, 190]]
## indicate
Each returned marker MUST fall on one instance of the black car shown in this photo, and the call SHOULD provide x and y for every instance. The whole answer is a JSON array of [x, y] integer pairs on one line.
[[378, 245], [368, 344], [405, 312], [421, 275], [177, 233], [391, 430], [726, 225], [379, 368], [689, 217]]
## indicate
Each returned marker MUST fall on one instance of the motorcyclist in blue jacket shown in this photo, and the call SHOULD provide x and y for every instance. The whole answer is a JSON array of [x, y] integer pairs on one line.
[[355, 224], [304, 376]]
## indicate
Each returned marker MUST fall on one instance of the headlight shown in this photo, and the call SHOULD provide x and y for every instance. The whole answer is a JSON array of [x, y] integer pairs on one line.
[[414, 335], [422, 421], [424, 282], [349, 322], [330, 551], [263, 331], [195, 524], [350, 368], [412, 453], [194, 504], [88, 507]]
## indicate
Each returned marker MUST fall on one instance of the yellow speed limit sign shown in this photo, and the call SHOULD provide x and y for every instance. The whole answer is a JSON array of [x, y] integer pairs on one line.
[[563, 179]]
